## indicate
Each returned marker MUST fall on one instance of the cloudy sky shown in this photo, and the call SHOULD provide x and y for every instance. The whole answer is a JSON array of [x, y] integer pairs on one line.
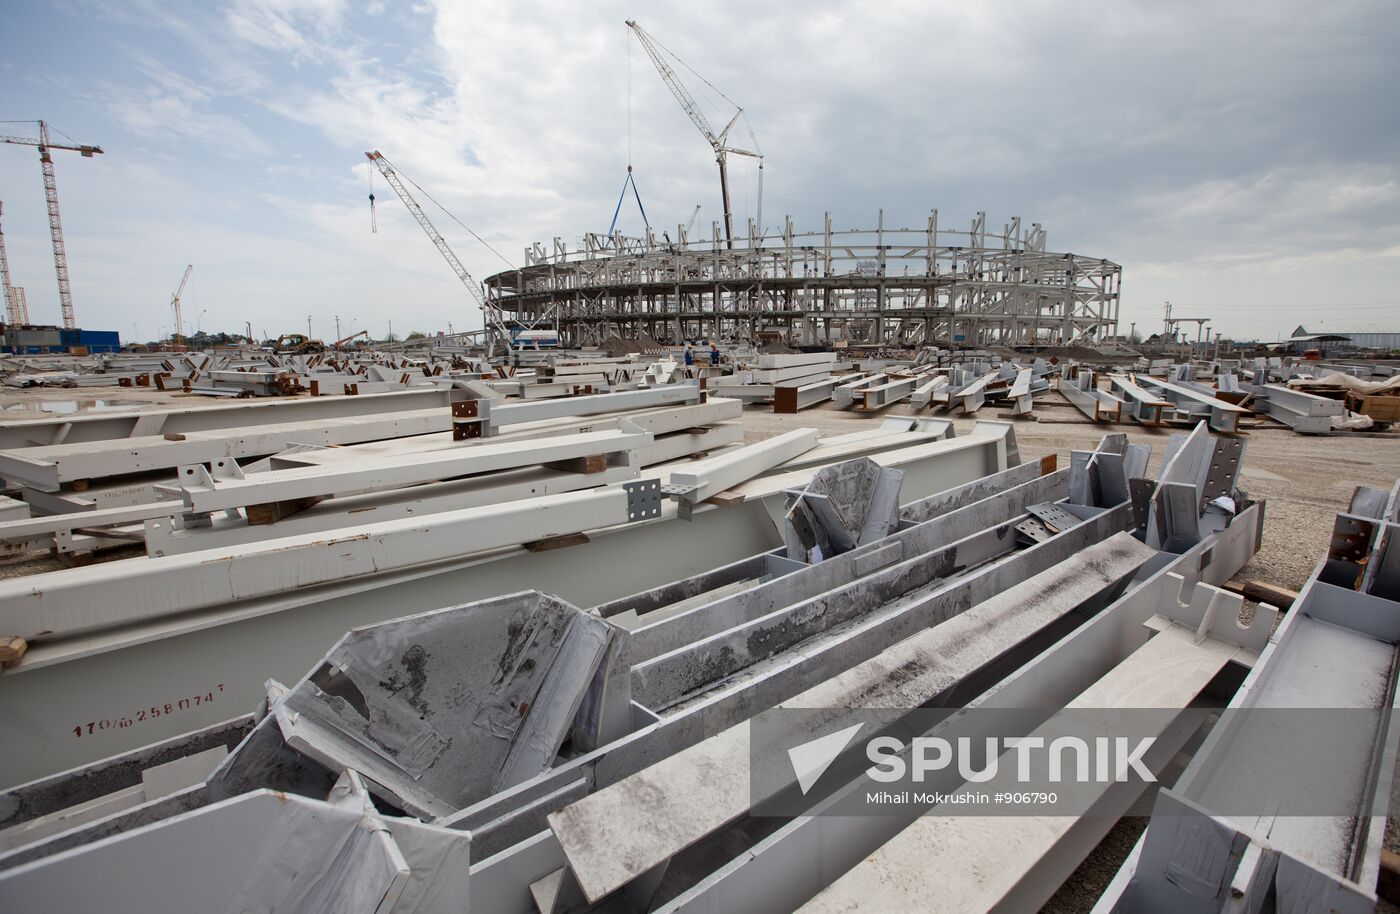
[[1239, 160]]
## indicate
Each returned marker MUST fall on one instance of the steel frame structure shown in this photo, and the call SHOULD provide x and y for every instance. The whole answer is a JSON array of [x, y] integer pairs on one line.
[[881, 286]]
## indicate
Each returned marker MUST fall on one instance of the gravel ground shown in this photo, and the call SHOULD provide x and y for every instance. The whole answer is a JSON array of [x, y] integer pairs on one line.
[[1305, 481]]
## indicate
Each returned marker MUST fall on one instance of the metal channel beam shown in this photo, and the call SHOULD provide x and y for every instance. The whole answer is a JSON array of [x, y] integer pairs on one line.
[[65, 603], [232, 649], [971, 398], [845, 394], [1145, 407], [183, 420], [211, 495], [167, 537], [929, 392], [830, 845], [495, 414], [1337, 649], [47, 468], [713, 475], [1305, 413], [678, 811], [790, 399], [1097, 405], [1222, 416], [887, 394]]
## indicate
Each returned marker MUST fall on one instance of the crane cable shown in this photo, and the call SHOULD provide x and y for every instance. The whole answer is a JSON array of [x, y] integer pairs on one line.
[[373, 219], [448, 213], [629, 180]]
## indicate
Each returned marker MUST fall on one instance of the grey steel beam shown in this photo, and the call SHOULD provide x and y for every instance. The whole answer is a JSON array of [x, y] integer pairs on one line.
[[1305, 413], [832, 844], [66, 603], [887, 394], [23, 433], [1145, 407], [845, 394], [1082, 391], [1337, 650], [1222, 416], [230, 649], [495, 414], [203, 494], [928, 392], [791, 399], [714, 474]]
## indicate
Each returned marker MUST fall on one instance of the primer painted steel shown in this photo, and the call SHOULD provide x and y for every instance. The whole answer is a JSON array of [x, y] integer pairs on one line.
[[362, 476], [1338, 647], [1147, 408], [1305, 413], [104, 426], [1222, 416], [764, 879], [229, 649]]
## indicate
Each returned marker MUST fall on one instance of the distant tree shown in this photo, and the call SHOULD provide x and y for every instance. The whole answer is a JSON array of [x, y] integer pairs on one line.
[[417, 335]]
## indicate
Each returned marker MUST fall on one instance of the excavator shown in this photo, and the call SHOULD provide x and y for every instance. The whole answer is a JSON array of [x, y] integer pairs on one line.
[[298, 344]]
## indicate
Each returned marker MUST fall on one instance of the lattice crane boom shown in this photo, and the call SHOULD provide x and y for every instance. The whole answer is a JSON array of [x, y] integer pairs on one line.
[[490, 315], [60, 252], [175, 303], [718, 141], [11, 312]]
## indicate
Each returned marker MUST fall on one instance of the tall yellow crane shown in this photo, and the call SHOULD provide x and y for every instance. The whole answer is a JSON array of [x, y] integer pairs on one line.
[[719, 142], [175, 304], [60, 254]]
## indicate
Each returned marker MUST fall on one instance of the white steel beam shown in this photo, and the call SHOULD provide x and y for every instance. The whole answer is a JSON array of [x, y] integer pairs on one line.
[[207, 495], [69, 602], [714, 474]]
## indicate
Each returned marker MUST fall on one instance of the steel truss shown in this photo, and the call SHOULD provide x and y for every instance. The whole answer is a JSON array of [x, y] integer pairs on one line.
[[898, 287]]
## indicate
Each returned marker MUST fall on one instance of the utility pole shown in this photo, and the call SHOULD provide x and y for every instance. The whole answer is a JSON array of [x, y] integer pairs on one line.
[[308, 326], [337, 326]]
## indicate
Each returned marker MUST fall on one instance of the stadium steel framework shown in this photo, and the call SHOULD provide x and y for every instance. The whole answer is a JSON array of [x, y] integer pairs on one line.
[[892, 287]]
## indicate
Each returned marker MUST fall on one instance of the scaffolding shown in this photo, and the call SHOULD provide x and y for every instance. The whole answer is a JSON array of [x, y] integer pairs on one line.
[[882, 287]]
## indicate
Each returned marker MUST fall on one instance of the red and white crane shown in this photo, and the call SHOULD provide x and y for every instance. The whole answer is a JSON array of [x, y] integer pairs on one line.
[[16, 312], [60, 254]]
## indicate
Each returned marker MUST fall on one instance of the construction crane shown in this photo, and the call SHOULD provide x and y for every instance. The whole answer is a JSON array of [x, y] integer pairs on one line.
[[175, 303], [60, 254], [15, 315], [354, 336], [718, 141], [491, 317]]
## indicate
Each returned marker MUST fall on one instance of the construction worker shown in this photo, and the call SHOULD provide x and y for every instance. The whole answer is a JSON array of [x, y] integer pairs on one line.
[[714, 353], [689, 355]]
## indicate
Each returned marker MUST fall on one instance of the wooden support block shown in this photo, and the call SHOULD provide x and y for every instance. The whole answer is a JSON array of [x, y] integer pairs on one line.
[[557, 542], [174, 436], [273, 511], [593, 463], [1260, 592], [725, 499], [12, 647], [1388, 880]]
